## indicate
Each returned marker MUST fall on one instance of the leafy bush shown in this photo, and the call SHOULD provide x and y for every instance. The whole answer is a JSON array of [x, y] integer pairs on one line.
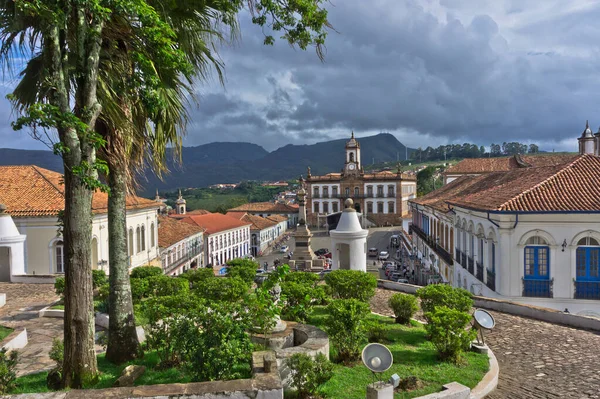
[[345, 325], [140, 288], [301, 291], [163, 285], [302, 278], [59, 286], [54, 377], [307, 374], [145, 272], [404, 307], [446, 329], [351, 284], [8, 373], [99, 278], [197, 275], [242, 268], [436, 295], [375, 331], [222, 289]]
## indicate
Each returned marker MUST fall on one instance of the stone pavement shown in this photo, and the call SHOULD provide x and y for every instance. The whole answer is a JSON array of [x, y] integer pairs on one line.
[[536, 359]]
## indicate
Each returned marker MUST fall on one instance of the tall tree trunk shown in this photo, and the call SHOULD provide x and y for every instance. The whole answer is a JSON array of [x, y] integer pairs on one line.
[[122, 337]]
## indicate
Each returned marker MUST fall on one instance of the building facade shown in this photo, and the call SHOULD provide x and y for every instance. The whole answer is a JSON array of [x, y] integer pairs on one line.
[[181, 245], [267, 209], [264, 231], [530, 234], [382, 197]]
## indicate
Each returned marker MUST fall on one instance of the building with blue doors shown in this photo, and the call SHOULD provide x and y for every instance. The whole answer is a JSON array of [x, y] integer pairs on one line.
[[530, 234]]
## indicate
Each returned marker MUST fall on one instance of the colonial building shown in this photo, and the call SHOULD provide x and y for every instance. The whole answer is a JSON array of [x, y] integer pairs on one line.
[[266, 209], [34, 196], [225, 237], [383, 196], [264, 230], [528, 234], [181, 245]]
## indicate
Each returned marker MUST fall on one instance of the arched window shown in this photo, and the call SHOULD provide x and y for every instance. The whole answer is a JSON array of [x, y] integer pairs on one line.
[[347, 192], [356, 192], [138, 237], [316, 192], [59, 256], [152, 235], [536, 278], [130, 242], [351, 157], [390, 207], [94, 253], [587, 283], [143, 237]]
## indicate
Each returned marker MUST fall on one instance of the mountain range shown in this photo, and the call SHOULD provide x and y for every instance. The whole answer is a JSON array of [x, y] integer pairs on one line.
[[226, 162]]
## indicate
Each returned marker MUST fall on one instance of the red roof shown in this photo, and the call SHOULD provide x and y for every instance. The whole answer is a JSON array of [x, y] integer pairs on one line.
[[215, 222], [171, 231], [265, 207], [504, 164]]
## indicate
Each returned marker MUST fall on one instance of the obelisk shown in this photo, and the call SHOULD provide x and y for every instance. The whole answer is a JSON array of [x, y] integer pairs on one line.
[[303, 254]]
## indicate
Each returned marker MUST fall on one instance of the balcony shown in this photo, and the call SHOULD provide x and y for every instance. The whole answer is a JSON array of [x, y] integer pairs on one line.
[[491, 280], [325, 195], [479, 275], [391, 195], [538, 288], [463, 260], [315, 195], [439, 250], [185, 258], [457, 255], [471, 265], [587, 289]]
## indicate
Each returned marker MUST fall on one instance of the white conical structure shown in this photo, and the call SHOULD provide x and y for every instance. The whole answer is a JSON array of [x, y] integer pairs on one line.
[[349, 241], [12, 247]]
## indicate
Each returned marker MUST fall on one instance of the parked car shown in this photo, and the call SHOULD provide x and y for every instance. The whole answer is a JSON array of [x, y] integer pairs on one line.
[[402, 280], [384, 255], [284, 249], [373, 252], [396, 276], [322, 251]]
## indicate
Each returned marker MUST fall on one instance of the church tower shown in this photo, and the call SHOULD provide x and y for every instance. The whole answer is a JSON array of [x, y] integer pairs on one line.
[[586, 141], [352, 165], [180, 205]]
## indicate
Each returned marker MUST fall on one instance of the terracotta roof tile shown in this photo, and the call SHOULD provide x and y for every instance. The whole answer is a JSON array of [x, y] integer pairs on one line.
[[194, 212], [269, 207], [29, 190], [214, 222], [277, 218], [258, 222], [171, 231], [237, 215], [503, 164]]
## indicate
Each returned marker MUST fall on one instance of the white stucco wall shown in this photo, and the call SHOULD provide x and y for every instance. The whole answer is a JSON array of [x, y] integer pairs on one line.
[[217, 254]]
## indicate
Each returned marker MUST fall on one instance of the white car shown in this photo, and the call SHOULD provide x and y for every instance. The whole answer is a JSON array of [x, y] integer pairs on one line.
[[384, 255], [284, 249]]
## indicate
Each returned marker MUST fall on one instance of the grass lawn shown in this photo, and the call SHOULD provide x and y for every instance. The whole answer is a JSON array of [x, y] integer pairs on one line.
[[109, 374], [413, 356], [5, 332]]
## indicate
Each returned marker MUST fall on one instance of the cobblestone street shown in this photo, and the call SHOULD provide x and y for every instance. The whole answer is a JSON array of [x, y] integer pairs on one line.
[[536, 359]]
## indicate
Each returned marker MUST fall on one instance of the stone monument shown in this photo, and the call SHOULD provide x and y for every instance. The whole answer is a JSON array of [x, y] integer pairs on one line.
[[303, 254], [349, 241]]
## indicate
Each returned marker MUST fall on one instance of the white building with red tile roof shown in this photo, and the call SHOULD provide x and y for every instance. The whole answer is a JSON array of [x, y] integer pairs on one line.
[[266, 209], [527, 234], [181, 245], [264, 230], [225, 237], [34, 196]]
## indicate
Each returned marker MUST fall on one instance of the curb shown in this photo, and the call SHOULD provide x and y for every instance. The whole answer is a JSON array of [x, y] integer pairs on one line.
[[490, 379]]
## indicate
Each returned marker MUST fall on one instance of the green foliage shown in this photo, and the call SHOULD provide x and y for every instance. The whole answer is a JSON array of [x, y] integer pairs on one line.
[[57, 352], [140, 288], [429, 179], [163, 285], [303, 278], [59, 286], [447, 331], [308, 374], [301, 291], [228, 289], [404, 307], [197, 275], [262, 303], [435, 295], [375, 331], [345, 325], [99, 278], [242, 268], [8, 372], [145, 272], [351, 284]]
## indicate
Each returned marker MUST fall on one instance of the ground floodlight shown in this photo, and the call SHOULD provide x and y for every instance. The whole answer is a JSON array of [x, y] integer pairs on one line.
[[377, 358], [483, 320], [394, 380]]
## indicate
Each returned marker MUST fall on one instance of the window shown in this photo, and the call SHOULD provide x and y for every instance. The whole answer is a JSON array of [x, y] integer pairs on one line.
[[316, 207], [356, 191], [335, 207], [481, 250], [334, 191], [59, 256], [380, 191], [143, 237], [370, 191], [347, 192], [536, 262], [588, 241], [390, 207], [588, 260], [152, 235], [138, 236], [351, 157], [325, 192], [391, 191], [130, 242], [325, 207], [380, 207], [369, 207], [316, 192], [536, 240]]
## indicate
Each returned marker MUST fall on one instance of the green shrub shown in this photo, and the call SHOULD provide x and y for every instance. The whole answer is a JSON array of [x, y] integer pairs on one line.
[[446, 329], [404, 307], [242, 268], [8, 372], [59, 286], [145, 272], [308, 374], [99, 278], [302, 278], [301, 291], [345, 325], [194, 276], [57, 352], [222, 289], [140, 289], [351, 284], [436, 295], [375, 331], [163, 285]]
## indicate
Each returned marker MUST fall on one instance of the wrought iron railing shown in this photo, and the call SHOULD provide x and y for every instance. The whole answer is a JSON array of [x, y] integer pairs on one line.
[[471, 265], [438, 249], [491, 280], [458, 255], [464, 260], [391, 195], [479, 274], [587, 289], [185, 258], [538, 288]]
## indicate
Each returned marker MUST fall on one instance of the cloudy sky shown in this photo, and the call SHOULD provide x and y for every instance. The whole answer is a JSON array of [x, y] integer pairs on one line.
[[430, 72]]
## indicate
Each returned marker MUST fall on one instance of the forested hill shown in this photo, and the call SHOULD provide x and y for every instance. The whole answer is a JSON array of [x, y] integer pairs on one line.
[[233, 162]]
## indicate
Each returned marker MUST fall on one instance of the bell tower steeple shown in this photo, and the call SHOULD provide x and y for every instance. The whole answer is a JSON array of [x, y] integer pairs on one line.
[[352, 164]]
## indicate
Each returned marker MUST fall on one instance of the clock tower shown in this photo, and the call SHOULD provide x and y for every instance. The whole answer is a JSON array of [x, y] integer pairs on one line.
[[352, 165]]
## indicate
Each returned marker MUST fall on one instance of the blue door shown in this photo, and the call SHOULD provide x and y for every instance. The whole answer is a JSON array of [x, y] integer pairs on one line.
[[587, 283], [536, 279]]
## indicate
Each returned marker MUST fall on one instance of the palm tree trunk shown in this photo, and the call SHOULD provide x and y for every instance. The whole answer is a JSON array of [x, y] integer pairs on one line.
[[123, 343]]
